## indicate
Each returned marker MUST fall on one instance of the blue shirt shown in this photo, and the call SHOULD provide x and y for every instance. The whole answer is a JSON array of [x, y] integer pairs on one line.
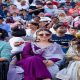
[[5, 27], [64, 40], [5, 50]]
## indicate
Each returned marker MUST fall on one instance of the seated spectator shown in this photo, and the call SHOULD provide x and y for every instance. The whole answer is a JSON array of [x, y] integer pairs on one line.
[[50, 8], [60, 37], [8, 2], [4, 25], [5, 10], [72, 31], [24, 15], [5, 49], [36, 9], [54, 21], [36, 19], [17, 42], [16, 16], [17, 3], [23, 5], [5, 55], [72, 71], [76, 22], [42, 21], [1, 4], [13, 8], [65, 18], [13, 24], [30, 31], [75, 11], [68, 4], [41, 58]]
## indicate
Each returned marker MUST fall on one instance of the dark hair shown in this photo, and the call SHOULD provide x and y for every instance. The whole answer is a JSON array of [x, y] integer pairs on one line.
[[43, 29], [39, 2], [10, 20], [18, 32], [23, 10], [74, 28], [60, 24], [36, 16], [35, 24], [3, 34], [54, 17]]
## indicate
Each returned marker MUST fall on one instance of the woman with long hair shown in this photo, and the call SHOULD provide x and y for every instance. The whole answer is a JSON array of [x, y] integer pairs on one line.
[[39, 58]]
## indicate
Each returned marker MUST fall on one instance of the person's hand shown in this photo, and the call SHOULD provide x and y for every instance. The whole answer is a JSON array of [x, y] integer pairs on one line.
[[2, 59], [77, 58], [48, 62]]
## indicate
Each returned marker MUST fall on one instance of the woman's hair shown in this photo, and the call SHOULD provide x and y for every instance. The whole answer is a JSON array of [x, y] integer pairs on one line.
[[43, 29], [18, 32], [3, 34]]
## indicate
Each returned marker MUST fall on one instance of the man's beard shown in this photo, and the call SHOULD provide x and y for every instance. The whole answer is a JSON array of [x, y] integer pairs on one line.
[[62, 32]]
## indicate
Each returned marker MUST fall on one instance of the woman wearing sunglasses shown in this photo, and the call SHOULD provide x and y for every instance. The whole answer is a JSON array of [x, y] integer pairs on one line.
[[40, 58]]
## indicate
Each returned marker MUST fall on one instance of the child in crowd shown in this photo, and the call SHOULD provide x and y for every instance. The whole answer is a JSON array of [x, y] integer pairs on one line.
[[17, 44]]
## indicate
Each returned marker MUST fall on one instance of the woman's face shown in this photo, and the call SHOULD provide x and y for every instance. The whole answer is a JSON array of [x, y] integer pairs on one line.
[[55, 20], [43, 35], [61, 29], [14, 7], [33, 27]]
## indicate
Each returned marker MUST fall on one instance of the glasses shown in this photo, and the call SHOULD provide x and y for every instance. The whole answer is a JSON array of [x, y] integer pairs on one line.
[[49, 3], [44, 34]]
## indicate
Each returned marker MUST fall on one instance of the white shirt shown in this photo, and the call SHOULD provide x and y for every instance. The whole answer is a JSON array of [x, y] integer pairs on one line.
[[50, 11], [19, 48]]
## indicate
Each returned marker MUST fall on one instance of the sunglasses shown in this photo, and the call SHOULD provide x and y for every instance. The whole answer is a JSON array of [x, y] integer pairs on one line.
[[44, 34], [49, 3]]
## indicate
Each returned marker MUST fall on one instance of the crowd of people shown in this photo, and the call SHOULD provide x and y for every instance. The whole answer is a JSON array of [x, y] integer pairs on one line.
[[39, 39]]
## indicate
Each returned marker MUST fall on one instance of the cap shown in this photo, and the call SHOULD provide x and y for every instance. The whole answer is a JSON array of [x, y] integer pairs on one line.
[[45, 19]]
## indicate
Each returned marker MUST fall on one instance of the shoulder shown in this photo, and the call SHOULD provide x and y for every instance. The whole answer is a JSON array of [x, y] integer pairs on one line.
[[6, 25], [5, 44], [69, 36], [53, 35], [56, 44]]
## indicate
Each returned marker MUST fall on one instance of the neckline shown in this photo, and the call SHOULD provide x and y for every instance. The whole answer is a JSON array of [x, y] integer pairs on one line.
[[41, 47]]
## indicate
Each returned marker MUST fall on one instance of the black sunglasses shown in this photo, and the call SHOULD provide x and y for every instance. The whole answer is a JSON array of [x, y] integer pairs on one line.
[[44, 34], [49, 3]]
